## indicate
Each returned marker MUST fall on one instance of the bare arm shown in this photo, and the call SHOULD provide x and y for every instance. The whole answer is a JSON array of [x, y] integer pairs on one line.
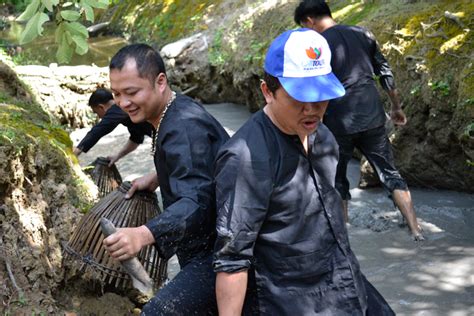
[[396, 112], [230, 292], [126, 149], [76, 151]]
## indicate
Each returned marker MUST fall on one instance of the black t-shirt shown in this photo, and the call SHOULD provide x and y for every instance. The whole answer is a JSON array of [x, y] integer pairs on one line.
[[278, 213], [113, 117], [356, 60], [187, 143]]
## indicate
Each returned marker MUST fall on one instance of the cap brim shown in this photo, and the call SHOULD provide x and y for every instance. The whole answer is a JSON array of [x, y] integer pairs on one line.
[[313, 89]]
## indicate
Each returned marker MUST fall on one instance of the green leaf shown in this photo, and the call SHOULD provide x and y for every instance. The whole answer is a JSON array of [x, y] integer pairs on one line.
[[81, 44], [100, 4], [29, 11], [70, 15], [43, 17], [33, 28], [65, 51], [48, 4], [59, 32], [76, 28], [88, 11], [68, 37]]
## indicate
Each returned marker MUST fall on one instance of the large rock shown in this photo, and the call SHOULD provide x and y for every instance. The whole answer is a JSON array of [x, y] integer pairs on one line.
[[64, 91]]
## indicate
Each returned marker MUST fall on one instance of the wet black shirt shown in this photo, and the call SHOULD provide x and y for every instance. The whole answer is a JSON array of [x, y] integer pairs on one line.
[[112, 118], [187, 144], [280, 216], [356, 59]]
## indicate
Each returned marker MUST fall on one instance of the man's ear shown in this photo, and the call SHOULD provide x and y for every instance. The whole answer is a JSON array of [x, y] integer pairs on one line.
[[161, 81], [308, 22], [267, 94]]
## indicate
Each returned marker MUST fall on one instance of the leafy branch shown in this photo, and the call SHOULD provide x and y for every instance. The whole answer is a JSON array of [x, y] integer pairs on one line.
[[71, 35]]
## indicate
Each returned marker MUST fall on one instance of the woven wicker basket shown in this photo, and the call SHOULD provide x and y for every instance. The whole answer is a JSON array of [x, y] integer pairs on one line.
[[106, 178], [85, 245]]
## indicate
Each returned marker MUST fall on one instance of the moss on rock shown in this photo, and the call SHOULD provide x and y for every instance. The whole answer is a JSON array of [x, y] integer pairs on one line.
[[42, 191]]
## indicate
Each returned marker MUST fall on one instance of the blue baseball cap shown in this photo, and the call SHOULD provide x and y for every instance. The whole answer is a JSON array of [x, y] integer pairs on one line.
[[301, 60]]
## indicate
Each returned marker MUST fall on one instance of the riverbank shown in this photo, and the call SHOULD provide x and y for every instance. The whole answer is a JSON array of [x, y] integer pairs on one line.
[[434, 277]]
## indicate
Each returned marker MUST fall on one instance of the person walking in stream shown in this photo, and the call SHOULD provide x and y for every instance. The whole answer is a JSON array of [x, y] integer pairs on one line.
[[357, 119]]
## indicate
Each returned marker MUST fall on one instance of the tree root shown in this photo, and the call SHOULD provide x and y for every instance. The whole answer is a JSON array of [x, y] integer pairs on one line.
[[427, 26], [9, 269], [437, 34]]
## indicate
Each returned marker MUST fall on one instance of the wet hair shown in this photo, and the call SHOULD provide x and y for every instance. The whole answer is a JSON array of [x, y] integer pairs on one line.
[[149, 62], [272, 82], [311, 8], [100, 96]]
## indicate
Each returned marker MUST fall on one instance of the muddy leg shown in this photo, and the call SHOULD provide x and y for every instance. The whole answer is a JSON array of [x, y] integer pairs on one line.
[[404, 203]]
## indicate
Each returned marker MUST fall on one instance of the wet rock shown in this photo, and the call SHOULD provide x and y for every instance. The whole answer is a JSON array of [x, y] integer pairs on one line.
[[376, 220], [64, 91]]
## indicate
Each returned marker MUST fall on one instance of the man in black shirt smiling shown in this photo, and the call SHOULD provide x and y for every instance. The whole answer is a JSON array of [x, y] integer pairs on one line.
[[185, 143], [357, 119], [102, 104]]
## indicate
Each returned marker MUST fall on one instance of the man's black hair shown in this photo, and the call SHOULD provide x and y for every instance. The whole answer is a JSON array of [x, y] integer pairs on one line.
[[272, 82], [149, 62], [100, 96], [311, 8]]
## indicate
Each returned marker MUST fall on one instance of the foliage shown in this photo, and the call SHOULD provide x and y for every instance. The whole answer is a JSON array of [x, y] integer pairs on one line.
[[162, 21], [469, 130], [442, 87], [19, 5], [71, 35], [217, 56]]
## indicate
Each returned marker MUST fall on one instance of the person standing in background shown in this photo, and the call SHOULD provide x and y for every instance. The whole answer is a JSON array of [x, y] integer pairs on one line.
[[102, 104], [357, 119]]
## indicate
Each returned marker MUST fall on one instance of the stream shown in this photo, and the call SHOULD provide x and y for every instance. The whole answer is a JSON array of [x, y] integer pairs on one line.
[[42, 51], [434, 277]]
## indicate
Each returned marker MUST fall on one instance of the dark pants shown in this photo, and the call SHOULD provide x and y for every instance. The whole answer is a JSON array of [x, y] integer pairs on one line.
[[375, 146], [191, 292]]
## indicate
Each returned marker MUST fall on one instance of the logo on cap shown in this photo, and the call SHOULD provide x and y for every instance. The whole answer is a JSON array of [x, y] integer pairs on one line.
[[314, 53]]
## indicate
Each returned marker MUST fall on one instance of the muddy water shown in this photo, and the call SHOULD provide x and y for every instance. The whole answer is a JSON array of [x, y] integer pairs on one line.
[[435, 277]]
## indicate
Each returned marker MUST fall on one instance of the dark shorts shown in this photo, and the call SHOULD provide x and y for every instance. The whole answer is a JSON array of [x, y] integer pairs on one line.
[[191, 292], [375, 146]]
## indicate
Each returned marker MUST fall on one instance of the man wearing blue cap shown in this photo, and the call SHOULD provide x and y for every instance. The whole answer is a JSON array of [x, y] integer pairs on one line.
[[280, 223]]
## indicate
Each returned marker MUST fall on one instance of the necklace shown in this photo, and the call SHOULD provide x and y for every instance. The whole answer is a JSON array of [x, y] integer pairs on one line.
[[154, 138]]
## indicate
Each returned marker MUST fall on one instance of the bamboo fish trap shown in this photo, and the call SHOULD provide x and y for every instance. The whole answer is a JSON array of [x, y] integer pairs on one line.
[[85, 245], [106, 178]]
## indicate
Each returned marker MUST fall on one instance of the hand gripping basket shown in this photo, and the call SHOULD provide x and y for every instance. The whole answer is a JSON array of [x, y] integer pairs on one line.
[[85, 245]]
